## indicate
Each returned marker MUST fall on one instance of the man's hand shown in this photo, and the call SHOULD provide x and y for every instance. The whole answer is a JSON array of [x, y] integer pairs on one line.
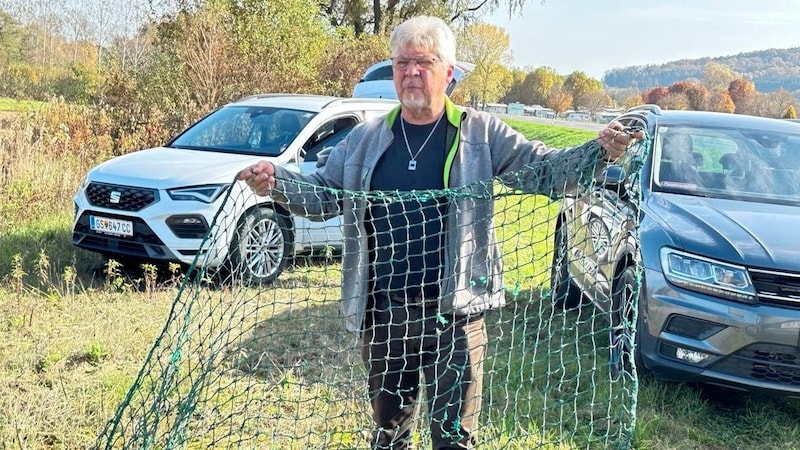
[[260, 177], [615, 139]]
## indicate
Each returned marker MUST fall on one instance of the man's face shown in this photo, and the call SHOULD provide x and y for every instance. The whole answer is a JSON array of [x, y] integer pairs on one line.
[[420, 79]]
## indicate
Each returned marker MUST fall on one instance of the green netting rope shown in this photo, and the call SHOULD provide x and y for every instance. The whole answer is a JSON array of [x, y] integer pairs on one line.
[[240, 365]]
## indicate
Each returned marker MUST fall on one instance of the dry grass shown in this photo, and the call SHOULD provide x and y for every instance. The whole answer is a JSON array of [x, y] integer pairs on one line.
[[76, 332], [67, 361]]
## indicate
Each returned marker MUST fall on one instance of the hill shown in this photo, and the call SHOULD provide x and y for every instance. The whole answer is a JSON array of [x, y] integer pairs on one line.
[[769, 70]]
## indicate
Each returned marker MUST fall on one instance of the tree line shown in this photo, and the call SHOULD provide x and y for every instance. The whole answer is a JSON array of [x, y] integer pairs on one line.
[[769, 70], [716, 88], [178, 59]]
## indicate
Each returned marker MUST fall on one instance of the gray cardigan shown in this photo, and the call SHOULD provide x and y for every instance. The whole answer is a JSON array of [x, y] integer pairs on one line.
[[485, 147]]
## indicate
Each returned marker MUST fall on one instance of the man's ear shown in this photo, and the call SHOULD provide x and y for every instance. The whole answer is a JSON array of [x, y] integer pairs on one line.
[[451, 71]]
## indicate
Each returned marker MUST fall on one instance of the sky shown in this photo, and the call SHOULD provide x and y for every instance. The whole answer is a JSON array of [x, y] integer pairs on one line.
[[594, 36]]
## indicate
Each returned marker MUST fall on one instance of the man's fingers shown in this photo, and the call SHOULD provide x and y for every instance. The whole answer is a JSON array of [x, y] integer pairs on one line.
[[259, 177], [246, 174]]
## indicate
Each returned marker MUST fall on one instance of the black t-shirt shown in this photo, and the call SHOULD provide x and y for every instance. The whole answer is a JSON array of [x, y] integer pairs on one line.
[[407, 237]]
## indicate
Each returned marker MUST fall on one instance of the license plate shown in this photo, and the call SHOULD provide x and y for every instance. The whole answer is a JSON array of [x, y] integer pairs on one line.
[[114, 227]]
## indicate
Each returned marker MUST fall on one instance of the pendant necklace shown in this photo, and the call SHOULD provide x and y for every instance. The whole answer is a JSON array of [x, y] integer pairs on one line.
[[412, 163]]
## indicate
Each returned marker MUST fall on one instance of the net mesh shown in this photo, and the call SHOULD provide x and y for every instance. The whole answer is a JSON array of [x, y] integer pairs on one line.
[[246, 361]]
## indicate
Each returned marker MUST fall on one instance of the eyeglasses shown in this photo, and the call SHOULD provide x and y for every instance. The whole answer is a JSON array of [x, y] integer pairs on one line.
[[422, 62]]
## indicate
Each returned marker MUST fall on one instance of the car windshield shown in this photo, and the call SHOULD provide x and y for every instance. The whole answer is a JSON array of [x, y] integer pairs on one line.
[[245, 129], [737, 163]]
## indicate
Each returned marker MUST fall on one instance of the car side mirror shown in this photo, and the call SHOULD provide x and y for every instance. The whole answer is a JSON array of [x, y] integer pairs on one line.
[[613, 178]]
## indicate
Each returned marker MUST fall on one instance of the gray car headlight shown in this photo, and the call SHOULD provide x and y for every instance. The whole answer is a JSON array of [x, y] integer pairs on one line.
[[707, 276], [207, 193]]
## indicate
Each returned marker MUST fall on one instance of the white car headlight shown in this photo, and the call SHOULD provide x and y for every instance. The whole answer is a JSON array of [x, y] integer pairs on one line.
[[207, 193], [707, 276]]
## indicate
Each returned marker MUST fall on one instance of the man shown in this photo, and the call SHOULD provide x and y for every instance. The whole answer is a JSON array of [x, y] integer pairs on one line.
[[417, 274]]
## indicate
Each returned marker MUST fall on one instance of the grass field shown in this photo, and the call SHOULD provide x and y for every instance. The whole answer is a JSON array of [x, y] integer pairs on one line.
[[76, 330], [13, 105]]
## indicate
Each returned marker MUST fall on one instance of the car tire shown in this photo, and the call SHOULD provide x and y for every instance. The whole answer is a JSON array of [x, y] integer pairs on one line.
[[565, 294], [601, 238], [261, 247], [623, 351]]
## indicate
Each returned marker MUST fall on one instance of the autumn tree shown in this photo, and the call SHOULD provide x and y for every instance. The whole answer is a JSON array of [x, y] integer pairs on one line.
[[230, 48], [43, 25], [654, 95], [280, 44], [347, 56], [559, 100], [720, 101], [516, 91], [743, 93], [102, 19], [717, 75], [594, 101], [131, 47], [631, 101], [11, 37], [697, 95], [37, 60], [540, 83], [353, 14], [579, 84], [685, 95], [791, 113], [679, 87], [11, 50], [489, 48], [621, 96], [674, 101], [771, 104], [207, 57]]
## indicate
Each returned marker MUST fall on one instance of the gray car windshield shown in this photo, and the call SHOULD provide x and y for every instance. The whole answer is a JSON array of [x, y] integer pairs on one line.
[[727, 163], [245, 129]]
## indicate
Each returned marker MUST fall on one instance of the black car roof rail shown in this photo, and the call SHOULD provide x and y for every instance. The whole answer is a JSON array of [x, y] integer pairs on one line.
[[278, 94], [655, 109], [272, 94], [333, 99]]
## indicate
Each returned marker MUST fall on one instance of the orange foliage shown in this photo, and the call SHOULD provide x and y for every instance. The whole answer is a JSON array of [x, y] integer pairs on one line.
[[742, 92], [654, 95]]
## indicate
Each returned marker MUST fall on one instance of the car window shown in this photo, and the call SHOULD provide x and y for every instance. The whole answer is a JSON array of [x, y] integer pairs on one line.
[[727, 162], [256, 130], [327, 129], [381, 73], [341, 132]]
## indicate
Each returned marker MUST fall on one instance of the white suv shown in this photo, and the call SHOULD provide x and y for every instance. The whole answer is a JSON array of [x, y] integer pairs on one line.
[[158, 204]]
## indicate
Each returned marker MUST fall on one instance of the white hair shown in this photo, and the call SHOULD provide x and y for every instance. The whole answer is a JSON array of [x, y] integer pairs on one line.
[[428, 33]]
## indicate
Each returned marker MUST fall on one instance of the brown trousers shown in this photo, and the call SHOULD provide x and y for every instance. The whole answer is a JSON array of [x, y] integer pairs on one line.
[[402, 341]]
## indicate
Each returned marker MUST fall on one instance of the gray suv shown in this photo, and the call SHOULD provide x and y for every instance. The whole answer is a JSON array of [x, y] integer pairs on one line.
[[717, 201]]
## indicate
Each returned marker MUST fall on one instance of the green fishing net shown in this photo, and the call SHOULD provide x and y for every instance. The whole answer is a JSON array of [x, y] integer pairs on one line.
[[244, 363]]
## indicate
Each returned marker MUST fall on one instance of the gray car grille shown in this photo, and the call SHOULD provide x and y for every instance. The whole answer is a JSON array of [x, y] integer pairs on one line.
[[770, 363], [777, 288], [123, 198]]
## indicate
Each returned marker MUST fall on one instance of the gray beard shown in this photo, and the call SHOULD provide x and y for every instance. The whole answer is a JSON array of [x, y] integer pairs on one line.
[[418, 104]]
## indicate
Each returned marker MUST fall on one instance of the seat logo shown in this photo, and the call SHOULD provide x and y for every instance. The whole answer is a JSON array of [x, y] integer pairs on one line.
[[115, 197]]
